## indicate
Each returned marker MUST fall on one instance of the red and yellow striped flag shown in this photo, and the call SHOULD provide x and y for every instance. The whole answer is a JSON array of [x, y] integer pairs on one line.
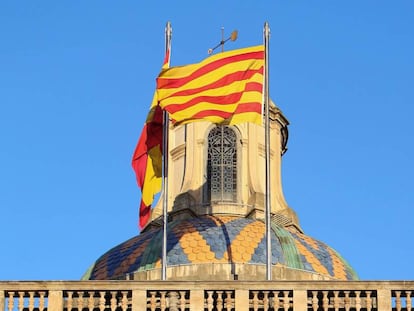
[[147, 161], [224, 88], [147, 158]]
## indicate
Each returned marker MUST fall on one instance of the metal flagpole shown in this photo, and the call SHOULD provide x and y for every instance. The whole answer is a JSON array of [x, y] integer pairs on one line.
[[266, 35], [168, 33]]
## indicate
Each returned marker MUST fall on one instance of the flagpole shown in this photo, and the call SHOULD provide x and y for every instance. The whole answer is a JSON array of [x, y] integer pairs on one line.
[[266, 35], [168, 32]]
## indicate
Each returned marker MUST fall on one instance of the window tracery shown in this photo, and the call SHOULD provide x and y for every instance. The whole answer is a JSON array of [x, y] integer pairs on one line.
[[222, 165]]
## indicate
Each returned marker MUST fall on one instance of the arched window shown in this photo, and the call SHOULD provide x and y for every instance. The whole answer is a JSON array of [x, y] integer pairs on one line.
[[222, 165]]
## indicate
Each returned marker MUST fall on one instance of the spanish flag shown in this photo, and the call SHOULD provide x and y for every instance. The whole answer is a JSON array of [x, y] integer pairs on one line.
[[226, 88], [147, 161], [147, 158]]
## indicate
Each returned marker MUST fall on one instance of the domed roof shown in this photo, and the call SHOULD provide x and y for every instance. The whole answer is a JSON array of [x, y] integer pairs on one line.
[[220, 239]]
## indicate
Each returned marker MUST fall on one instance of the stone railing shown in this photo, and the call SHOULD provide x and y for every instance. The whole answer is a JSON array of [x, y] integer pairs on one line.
[[206, 296]]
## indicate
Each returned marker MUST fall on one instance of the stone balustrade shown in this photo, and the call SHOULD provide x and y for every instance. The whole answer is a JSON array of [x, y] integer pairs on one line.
[[206, 296]]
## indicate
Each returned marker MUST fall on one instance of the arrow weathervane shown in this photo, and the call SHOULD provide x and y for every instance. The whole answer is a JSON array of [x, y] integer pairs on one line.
[[232, 37]]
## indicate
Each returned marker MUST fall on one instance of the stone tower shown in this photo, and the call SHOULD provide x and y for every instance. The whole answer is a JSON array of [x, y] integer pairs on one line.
[[216, 229]]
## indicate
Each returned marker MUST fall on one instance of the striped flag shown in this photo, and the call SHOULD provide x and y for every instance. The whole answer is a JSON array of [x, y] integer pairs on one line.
[[224, 88], [147, 158], [147, 161]]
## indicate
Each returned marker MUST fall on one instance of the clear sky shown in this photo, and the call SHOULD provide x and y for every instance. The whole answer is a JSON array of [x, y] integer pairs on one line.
[[77, 78]]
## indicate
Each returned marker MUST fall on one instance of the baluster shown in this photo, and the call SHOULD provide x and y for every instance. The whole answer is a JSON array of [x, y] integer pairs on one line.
[[397, 300], [31, 301], [219, 303], [265, 300], [69, 300], [357, 300], [408, 302], [286, 300], [124, 300], [91, 301], [210, 300], [325, 300], [228, 301], [20, 304], [315, 300], [10, 305], [113, 300], [255, 300], [347, 301], [182, 300], [275, 302], [336, 300], [173, 301], [80, 301], [42, 301], [368, 300], [163, 303], [102, 301], [153, 301]]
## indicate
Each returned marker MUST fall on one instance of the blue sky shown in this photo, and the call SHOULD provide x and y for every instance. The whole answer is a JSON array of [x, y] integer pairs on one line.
[[76, 81]]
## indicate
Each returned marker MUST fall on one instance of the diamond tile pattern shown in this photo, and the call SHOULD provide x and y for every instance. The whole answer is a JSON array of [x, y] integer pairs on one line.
[[220, 239]]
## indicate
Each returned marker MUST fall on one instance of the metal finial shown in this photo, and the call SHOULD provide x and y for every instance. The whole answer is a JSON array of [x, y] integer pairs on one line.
[[232, 37]]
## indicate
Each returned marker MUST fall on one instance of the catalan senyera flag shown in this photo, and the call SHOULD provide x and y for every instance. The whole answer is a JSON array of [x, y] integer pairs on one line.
[[147, 158], [224, 88]]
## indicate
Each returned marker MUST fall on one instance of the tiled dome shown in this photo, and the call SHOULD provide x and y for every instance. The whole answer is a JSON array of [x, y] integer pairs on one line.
[[220, 239]]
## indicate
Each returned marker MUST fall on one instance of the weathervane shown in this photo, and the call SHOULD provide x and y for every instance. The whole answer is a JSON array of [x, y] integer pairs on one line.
[[232, 37]]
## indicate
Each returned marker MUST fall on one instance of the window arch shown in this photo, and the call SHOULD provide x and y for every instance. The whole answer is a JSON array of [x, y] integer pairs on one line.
[[222, 165]]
